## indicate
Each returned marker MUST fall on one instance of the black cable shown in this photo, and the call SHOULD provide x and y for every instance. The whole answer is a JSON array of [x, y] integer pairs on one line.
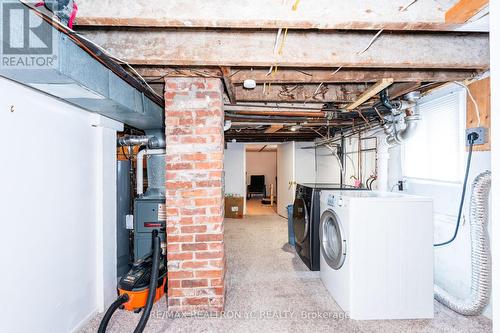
[[471, 138], [152, 284], [107, 316]]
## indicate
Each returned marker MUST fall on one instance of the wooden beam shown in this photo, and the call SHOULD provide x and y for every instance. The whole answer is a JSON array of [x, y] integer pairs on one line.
[[399, 89], [372, 91], [265, 14], [481, 92], [464, 10], [273, 128], [310, 93], [226, 78], [302, 49], [311, 75]]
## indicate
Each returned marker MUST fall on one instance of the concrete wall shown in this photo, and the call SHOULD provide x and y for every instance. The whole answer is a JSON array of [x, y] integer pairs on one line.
[[262, 163], [57, 211]]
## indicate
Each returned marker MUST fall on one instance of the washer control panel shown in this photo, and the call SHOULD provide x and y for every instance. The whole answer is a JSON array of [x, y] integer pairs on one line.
[[335, 200]]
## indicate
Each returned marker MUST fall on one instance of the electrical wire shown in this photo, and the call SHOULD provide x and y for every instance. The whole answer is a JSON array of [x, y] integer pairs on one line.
[[471, 138], [476, 107]]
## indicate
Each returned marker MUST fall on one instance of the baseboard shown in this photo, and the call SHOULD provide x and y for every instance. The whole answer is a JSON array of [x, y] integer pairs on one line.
[[78, 327]]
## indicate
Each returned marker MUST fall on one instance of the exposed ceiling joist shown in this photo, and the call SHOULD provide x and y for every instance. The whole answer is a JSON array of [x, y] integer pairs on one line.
[[226, 78], [372, 91], [314, 93], [328, 75], [302, 49], [311, 75], [464, 10], [263, 14], [399, 89], [273, 128]]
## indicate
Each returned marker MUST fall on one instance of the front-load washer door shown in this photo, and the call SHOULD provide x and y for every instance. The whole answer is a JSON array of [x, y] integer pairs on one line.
[[333, 241], [300, 220]]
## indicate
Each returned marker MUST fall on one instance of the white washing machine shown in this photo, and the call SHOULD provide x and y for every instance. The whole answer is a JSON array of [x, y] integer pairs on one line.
[[377, 254]]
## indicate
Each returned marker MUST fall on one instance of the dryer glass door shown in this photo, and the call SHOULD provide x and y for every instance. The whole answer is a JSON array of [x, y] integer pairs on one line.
[[300, 220], [333, 242]]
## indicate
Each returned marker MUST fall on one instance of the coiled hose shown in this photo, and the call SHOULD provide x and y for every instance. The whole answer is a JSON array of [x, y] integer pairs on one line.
[[107, 316], [480, 255], [151, 293]]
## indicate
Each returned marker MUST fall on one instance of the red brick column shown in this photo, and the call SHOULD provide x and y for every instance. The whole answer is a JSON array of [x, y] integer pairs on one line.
[[194, 185]]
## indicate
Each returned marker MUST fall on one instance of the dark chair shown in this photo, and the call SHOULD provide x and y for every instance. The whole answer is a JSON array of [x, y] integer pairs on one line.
[[257, 186]]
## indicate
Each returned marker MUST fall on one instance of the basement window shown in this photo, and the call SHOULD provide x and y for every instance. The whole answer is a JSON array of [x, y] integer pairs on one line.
[[436, 151]]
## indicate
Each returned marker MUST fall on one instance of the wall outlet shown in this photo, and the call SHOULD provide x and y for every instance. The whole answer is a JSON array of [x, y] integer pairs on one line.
[[481, 135]]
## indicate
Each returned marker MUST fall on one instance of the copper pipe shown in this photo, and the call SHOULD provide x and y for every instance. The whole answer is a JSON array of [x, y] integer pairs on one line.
[[320, 114]]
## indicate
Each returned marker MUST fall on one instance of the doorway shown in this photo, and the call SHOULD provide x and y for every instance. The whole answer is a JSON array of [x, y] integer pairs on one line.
[[261, 179]]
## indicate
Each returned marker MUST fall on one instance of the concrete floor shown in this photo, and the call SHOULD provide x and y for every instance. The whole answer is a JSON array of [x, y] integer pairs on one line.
[[267, 283]]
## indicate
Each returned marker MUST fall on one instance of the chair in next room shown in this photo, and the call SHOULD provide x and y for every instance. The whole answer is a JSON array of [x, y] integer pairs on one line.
[[257, 186]]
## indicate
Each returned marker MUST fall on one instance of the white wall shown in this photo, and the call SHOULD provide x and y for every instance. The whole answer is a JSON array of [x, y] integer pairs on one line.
[[234, 170], [262, 163], [58, 176], [495, 155], [452, 263]]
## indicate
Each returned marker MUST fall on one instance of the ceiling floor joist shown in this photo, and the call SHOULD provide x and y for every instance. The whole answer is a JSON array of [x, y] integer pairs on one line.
[[273, 129], [464, 10], [302, 49], [263, 14], [311, 75], [372, 91]]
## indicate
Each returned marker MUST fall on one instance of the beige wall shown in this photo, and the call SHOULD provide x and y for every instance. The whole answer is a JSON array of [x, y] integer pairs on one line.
[[262, 163]]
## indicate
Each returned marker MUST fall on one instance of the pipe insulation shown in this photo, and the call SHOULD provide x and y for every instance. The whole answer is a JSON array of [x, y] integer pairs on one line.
[[480, 292]]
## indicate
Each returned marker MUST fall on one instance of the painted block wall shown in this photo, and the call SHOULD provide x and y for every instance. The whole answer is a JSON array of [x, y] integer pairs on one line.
[[58, 176]]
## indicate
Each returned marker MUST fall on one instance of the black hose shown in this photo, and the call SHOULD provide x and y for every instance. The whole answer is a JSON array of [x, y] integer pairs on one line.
[[385, 99], [152, 284], [107, 316], [471, 138]]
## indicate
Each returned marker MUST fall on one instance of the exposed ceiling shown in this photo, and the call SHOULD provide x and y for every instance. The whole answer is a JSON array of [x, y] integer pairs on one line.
[[318, 67]]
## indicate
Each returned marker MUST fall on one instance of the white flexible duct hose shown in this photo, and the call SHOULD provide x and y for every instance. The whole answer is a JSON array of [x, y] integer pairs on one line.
[[480, 256]]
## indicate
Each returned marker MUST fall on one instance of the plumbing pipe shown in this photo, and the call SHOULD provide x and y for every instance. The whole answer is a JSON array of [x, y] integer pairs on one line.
[[133, 140], [140, 173], [153, 139], [382, 164], [480, 293]]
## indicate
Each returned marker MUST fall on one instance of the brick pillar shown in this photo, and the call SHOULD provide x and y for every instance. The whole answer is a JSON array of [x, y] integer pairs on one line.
[[194, 179]]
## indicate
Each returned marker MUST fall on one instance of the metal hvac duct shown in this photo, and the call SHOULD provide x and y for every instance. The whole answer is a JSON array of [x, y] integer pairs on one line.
[[480, 256], [79, 74]]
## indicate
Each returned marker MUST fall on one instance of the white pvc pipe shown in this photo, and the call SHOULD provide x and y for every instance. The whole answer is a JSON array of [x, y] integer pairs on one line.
[[140, 172], [382, 164]]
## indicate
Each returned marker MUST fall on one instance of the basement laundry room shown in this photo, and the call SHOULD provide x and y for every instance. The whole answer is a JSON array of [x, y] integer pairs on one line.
[[250, 166]]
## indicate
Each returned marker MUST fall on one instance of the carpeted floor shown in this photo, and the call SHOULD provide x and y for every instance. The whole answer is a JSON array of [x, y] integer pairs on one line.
[[255, 207], [270, 290]]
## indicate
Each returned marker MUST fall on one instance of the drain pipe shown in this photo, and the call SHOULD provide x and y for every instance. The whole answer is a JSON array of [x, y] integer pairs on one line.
[[140, 172], [394, 137], [480, 256]]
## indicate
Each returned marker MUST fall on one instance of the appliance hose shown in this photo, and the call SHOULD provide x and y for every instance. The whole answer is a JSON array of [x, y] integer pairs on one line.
[[480, 256], [152, 284], [471, 138], [107, 316]]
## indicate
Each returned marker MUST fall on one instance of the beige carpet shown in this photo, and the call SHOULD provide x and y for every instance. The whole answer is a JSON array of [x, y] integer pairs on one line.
[[255, 207], [270, 290]]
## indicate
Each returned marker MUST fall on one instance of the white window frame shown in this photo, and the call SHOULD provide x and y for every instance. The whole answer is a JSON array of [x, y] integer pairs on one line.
[[462, 102]]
